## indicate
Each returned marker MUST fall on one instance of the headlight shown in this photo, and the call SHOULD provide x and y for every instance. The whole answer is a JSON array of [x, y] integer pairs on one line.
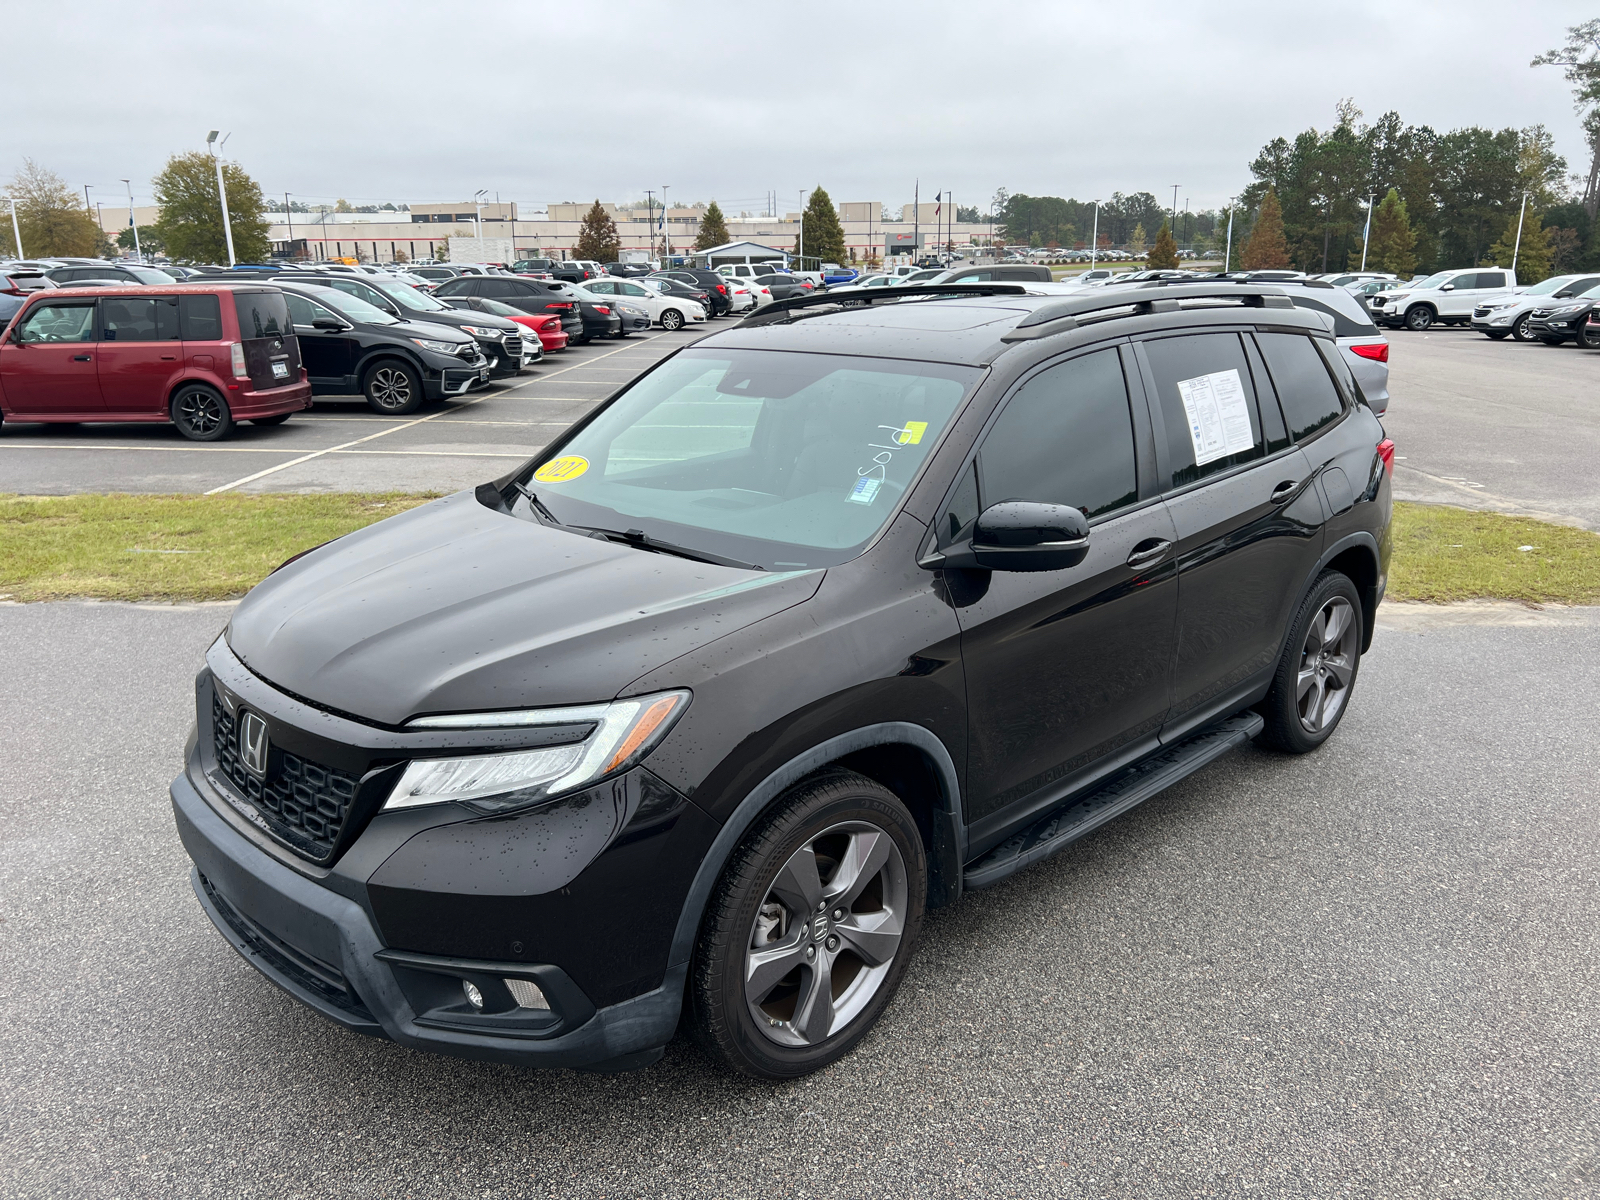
[[1565, 309], [480, 331], [438, 347], [621, 734]]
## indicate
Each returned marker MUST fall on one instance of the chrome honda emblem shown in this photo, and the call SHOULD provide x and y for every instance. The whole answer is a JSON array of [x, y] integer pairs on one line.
[[253, 744]]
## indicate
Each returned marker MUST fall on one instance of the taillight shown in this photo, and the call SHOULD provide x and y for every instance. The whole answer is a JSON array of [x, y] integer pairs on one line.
[[239, 369], [1376, 351], [1386, 452], [602, 310], [722, 289]]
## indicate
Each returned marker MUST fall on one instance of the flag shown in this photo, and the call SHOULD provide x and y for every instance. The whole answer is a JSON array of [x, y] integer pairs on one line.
[[938, 203]]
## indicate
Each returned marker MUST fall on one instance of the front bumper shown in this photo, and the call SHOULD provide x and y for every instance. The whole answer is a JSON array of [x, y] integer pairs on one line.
[[504, 355], [1541, 327], [323, 949]]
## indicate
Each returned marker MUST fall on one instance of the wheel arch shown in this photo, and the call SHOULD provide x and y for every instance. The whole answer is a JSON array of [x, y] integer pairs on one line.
[[1355, 556], [378, 353], [1411, 308], [908, 759], [192, 381]]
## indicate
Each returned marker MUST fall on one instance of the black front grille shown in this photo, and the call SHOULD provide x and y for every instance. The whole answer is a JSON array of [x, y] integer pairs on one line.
[[304, 804]]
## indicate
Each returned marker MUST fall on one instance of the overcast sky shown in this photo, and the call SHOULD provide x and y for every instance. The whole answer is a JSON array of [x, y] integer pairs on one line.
[[423, 100]]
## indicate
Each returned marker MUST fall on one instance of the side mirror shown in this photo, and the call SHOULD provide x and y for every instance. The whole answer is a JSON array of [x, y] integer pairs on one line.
[[1021, 535], [329, 324], [1449, 287]]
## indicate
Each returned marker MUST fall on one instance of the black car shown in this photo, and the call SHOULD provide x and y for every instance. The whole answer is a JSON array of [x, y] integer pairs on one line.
[[599, 317], [530, 295], [624, 270], [713, 284], [112, 273], [819, 622], [499, 337], [350, 347], [684, 291], [1566, 319]]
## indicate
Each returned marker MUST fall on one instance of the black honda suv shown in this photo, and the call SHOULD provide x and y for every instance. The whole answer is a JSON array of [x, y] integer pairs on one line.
[[817, 623]]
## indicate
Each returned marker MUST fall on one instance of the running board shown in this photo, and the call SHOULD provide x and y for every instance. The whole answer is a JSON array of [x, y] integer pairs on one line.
[[1133, 785]]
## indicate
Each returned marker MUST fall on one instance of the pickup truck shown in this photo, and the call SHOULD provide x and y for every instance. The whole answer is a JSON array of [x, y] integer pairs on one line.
[[563, 270]]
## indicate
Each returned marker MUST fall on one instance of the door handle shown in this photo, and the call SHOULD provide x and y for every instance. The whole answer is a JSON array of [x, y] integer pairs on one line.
[[169, 358], [81, 358], [1284, 490], [1147, 551]]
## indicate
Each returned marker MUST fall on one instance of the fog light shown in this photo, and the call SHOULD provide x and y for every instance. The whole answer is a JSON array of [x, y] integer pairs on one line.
[[474, 996], [527, 995]]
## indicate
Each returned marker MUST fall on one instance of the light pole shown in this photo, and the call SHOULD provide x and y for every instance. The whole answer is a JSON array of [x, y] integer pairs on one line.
[[132, 224], [477, 220], [16, 232], [1227, 249], [802, 254], [1175, 188], [222, 191], [1518, 247], [288, 214], [666, 231], [87, 207], [1094, 237], [1366, 234]]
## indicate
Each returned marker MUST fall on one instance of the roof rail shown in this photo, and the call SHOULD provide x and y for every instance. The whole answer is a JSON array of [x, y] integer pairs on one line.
[[780, 310], [1062, 315]]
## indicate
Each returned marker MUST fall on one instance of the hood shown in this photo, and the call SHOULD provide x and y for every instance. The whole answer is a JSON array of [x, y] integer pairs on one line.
[[456, 607], [430, 330], [464, 316]]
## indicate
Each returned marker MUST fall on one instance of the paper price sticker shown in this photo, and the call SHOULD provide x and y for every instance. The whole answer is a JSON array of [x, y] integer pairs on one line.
[[1219, 415], [865, 490], [562, 470]]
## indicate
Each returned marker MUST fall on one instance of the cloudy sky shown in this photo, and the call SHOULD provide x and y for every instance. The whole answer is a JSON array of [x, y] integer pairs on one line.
[[429, 100]]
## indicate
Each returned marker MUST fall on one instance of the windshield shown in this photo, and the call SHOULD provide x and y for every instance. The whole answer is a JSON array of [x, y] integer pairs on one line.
[[1432, 281], [1549, 285], [499, 309], [408, 297], [150, 275], [350, 306], [780, 459]]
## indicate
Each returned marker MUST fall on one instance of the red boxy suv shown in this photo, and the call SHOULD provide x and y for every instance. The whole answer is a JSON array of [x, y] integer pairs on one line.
[[199, 355]]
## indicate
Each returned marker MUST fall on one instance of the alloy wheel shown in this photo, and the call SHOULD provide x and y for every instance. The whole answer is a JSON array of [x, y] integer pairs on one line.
[[1519, 329], [826, 935], [1327, 665], [200, 412], [390, 388]]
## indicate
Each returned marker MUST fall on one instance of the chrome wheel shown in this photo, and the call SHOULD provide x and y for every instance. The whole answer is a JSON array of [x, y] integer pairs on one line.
[[390, 389], [826, 934], [672, 320], [1327, 665], [1519, 329]]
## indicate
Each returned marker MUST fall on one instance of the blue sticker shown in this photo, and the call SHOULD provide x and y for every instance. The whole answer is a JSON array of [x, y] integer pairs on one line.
[[865, 490]]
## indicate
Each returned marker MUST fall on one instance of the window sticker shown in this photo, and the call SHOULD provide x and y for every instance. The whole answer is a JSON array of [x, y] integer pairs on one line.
[[865, 490], [1219, 415], [909, 434], [563, 469]]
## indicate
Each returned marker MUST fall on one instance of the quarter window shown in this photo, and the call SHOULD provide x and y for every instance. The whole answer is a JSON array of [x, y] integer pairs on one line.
[[1305, 390], [1208, 404], [200, 318], [1066, 437]]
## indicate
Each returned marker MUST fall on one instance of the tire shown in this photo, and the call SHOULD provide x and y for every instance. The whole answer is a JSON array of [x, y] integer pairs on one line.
[[1553, 341], [1497, 335], [1317, 675], [392, 387], [1588, 338], [672, 320], [1418, 317], [836, 844], [270, 421], [1519, 329], [201, 414]]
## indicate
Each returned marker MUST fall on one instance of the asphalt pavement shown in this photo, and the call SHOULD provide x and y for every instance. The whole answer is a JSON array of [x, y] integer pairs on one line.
[[1507, 426], [340, 445], [1369, 972]]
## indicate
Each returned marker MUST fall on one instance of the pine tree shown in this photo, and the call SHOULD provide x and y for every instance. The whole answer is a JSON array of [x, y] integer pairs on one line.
[[50, 215], [1136, 243], [1164, 255], [713, 229], [1267, 249], [1392, 244], [191, 213], [598, 240], [1534, 256], [824, 236]]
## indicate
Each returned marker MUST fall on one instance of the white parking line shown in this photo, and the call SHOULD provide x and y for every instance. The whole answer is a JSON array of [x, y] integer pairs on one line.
[[304, 458], [244, 450]]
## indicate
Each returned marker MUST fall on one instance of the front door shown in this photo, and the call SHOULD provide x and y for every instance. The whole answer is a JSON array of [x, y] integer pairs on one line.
[[47, 367], [1065, 669], [1248, 518], [326, 355], [137, 365], [1462, 296]]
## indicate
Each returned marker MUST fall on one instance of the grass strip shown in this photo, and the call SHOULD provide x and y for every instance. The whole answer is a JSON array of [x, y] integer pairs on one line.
[[130, 547], [186, 547], [1442, 554]]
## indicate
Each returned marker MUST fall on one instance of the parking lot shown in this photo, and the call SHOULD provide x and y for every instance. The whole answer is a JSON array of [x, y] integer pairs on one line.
[[341, 445], [1369, 972]]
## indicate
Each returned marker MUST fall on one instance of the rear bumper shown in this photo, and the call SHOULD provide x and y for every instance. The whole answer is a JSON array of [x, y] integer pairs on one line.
[[248, 405], [323, 948]]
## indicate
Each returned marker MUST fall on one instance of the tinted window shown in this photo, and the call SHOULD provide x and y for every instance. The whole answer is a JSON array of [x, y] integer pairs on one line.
[[128, 320], [1350, 318], [1491, 279], [456, 286], [261, 314], [1066, 437], [1305, 389], [602, 287], [1463, 283], [303, 311], [200, 318], [8, 308], [1208, 403], [59, 322]]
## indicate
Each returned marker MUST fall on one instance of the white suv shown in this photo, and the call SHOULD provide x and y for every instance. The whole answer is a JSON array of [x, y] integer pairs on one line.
[[1449, 296]]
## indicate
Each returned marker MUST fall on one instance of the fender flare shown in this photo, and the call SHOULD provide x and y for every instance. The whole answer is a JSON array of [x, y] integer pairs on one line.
[[364, 364], [1359, 538], [797, 768]]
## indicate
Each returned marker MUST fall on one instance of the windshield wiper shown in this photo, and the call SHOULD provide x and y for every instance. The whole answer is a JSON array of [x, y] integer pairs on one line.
[[642, 540], [538, 505]]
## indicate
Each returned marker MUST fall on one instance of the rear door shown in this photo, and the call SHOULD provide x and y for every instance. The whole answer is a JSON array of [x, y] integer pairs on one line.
[[1247, 515], [47, 365], [1067, 668], [200, 325], [1493, 286], [137, 365]]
